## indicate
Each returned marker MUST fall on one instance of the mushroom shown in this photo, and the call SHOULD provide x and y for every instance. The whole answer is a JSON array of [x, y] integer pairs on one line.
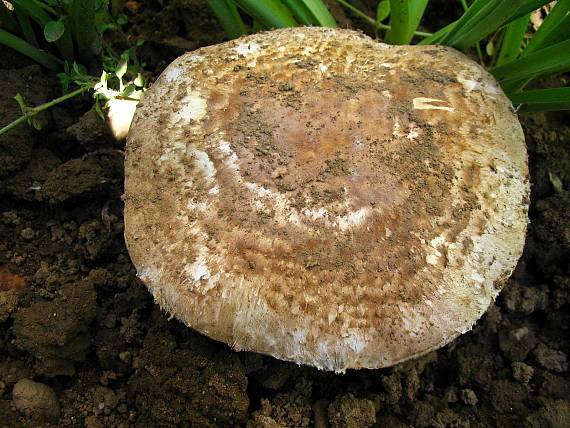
[[326, 199]]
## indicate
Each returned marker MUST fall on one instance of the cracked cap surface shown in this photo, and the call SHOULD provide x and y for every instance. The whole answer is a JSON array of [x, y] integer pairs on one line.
[[318, 196]]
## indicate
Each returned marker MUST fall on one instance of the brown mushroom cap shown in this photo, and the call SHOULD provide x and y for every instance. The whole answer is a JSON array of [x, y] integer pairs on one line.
[[326, 199]]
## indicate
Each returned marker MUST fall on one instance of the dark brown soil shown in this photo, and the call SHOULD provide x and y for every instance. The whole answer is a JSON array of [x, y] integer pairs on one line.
[[74, 316]]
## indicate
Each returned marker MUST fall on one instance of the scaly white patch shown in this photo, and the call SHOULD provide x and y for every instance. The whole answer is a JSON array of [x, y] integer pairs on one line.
[[411, 319], [204, 164], [193, 108], [396, 132], [468, 84], [315, 214], [198, 273], [231, 160], [422, 103], [247, 49], [172, 74], [323, 68], [355, 341], [353, 219]]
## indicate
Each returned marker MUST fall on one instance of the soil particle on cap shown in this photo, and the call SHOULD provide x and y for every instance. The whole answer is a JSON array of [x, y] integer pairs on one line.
[[36, 400], [348, 411]]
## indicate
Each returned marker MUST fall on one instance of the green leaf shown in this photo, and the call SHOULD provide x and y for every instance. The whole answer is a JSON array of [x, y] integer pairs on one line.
[[490, 48], [35, 124], [21, 103], [436, 37], [32, 10], [228, 15], [485, 17], [139, 81], [405, 17], [542, 99], [53, 30], [25, 25], [549, 60], [271, 13], [382, 11], [512, 40], [82, 16], [129, 89], [122, 19], [122, 66], [554, 29], [311, 12], [41, 57]]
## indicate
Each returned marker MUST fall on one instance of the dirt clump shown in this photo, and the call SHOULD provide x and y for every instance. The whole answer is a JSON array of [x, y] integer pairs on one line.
[[16, 146], [192, 385], [55, 333], [36, 400], [347, 411]]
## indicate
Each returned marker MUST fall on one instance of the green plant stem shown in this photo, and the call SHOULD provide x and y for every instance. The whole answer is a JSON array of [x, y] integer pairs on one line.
[[35, 110], [371, 21], [43, 58]]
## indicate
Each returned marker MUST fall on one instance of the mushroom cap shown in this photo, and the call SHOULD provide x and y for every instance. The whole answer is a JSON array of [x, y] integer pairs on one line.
[[318, 196]]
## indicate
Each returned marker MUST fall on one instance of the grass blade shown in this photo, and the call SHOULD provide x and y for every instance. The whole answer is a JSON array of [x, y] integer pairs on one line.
[[25, 25], [436, 37], [36, 12], [548, 60], [484, 17], [525, 7], [271, 13], [405, 16], [321, 12], [82, 20], [554, 29], [300, 12], [543, 99], [228, 16], [19, 45], [311, 12], [512, 40], [33, 11]]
